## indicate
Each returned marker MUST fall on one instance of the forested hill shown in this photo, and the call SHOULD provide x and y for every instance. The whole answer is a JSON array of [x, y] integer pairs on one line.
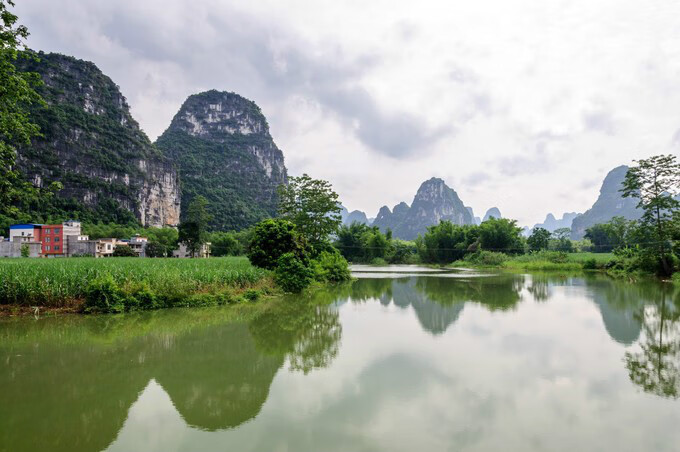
[[90, 143], [221, 145]]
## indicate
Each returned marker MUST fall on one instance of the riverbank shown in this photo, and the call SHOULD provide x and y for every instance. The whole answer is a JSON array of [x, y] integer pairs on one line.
[[559, 262], [127, 284], [541, 261]]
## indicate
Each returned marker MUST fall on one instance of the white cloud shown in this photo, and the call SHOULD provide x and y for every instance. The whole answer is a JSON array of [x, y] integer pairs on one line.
[[380, 96]]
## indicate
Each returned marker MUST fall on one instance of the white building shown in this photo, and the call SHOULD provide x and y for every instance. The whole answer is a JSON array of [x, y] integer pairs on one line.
[[183, 252]]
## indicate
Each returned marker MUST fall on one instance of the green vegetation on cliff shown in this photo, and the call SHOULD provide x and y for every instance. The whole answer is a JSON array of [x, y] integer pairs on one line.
[[90, 144], [221, 145]]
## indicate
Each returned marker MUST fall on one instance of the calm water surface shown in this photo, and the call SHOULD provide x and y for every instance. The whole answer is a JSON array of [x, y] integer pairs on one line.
[[392, 362]]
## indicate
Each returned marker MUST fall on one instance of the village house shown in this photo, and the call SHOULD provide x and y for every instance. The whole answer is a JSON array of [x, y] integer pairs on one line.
[[183, 252]]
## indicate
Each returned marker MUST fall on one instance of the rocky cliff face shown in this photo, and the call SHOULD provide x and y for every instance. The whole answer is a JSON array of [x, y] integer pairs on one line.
[[434, 202], [220, 143], [477, 220], [91, 144], [609, 204]]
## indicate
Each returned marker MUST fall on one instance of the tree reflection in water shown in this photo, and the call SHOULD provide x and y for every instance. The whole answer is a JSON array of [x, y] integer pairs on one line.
[[656, 367], [307, 333]]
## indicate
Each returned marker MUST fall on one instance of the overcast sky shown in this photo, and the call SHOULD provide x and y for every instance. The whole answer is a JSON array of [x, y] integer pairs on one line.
[[520, 104]]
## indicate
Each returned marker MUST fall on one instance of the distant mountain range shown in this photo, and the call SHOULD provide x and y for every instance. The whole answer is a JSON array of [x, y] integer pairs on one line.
[[552, 224], [218, 145], [435, 201]]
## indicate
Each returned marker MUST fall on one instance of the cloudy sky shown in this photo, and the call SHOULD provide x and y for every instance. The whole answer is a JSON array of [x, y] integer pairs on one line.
[[520, 104]]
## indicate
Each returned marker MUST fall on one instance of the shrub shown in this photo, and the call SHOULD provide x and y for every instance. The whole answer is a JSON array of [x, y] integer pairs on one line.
[[590, 264], [292, 274], [104, 295], [331, 267], [251, 294], [378, 261], [143, 296], [271, 239]]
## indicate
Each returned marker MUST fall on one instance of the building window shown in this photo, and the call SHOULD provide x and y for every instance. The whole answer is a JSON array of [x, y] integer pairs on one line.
[[56, 248], [56, 239], [56, 231], [47, 239], [47, 248], [47, 231]]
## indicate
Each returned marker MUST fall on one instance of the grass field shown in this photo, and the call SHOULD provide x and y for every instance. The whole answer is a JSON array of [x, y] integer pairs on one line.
[[150, 283]]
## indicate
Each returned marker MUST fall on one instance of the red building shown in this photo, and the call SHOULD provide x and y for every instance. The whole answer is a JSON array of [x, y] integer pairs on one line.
[[52, 239]]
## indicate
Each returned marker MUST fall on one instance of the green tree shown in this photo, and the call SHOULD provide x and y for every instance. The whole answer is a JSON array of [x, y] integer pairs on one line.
[[349, 241], [166, 238], [225, 244], [312, 205], [501, 234], [655, 181], [17, 94], [155, 249], [273, 238], [539, 239], [561, 240], [444, 243], [193, 230], [124, 251], [292, 274], [607, 237]]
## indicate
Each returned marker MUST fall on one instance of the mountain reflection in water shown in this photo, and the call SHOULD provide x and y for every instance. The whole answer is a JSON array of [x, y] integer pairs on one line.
[[183, 379]]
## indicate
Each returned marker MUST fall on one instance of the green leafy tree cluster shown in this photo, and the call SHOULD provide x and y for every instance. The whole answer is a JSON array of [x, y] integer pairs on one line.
[[292, 274], [229, 243], [655, 182], [124, 251], [501, 234], [312, 205], [539, 239], [273, 238], [607, 237], [359, 242], [561, 241], [276, 245], [446, 242]]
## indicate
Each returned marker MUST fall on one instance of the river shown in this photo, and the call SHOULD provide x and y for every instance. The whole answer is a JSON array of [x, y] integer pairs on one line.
[[398, 360]]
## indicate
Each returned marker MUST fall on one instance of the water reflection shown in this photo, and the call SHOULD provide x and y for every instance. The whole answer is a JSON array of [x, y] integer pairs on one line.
[[90, 383], [656, 367], [74, 393]]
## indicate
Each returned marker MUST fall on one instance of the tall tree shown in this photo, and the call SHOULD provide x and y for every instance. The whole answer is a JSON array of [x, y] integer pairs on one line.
[[193, 231], [17, 93], [312, 205], [655, 181], [539, 239]]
